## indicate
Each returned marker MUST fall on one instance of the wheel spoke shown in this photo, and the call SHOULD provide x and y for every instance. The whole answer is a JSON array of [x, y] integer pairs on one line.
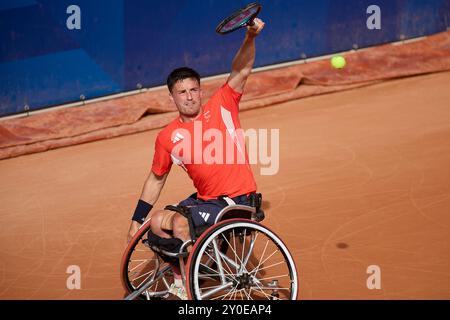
[[262, 291], [216, 264], [137, 266], [225, 258], [262, 256], [150, 273], [234, 248], [231, 292], [166, 284], [214, 291], [275, 277], [249, 296], [145, 277], [274, 288], [235, 254], [242, 260], [243, 250], [270, 266], [221, 296], [250, 250], [257, 267]]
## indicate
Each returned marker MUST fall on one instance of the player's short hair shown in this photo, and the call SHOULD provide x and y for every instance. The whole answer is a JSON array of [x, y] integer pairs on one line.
[[181, 74]]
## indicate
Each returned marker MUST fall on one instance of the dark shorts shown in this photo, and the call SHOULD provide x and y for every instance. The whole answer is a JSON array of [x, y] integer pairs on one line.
[[204, 212]]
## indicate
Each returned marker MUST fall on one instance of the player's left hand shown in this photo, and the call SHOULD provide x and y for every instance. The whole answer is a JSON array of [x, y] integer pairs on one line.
[[256, 28], [134, 227]]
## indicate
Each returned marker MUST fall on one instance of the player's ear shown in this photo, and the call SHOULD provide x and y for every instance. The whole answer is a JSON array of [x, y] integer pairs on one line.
[[171, 97]]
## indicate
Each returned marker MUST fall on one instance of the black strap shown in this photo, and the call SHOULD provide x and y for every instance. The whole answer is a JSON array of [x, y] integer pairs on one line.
[[169, 244], [185, 212], [256, 200]]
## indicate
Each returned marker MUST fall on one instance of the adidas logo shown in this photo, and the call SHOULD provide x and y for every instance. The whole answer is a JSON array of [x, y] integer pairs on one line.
[[178, 137], [204, 215]]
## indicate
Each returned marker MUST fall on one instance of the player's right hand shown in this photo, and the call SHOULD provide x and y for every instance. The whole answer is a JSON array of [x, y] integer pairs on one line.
[[256, 28], [134, 227]]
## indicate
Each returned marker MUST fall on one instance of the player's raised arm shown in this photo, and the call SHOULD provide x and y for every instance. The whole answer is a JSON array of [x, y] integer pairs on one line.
[[245, 58]]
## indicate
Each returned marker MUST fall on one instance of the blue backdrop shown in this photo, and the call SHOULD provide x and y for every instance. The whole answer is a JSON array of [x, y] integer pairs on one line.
[[125, 43]]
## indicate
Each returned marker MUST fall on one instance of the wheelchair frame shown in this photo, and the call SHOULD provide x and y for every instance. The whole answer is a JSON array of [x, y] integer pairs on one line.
[[231, 218]]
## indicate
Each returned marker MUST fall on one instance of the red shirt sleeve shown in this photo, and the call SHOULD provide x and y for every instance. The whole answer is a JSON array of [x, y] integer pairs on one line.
[[229, 98], [162, 161]]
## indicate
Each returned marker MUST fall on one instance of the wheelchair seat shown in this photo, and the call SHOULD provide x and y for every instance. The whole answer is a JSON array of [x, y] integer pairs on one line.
[[252, 212]]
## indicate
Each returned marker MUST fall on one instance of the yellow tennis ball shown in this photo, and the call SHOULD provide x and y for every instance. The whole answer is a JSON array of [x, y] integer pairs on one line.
[[338, 62]]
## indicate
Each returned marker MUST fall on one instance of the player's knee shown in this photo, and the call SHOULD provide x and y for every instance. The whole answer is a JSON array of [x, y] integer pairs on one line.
[[180, 226], [156, 221]]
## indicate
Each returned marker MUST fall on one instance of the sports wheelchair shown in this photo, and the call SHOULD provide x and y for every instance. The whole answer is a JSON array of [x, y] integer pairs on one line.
[[236, 258]]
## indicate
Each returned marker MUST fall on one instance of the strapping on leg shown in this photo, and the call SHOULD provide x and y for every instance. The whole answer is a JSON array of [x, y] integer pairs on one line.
[[167, 220]]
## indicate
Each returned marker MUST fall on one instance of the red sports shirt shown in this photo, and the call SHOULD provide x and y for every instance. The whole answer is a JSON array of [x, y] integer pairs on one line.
[[210, 149]]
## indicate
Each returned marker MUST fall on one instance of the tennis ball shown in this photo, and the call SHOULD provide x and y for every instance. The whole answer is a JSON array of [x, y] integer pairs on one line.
[[338, 62]]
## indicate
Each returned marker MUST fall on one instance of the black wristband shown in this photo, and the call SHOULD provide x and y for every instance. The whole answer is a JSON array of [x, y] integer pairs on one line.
[[141, 212]]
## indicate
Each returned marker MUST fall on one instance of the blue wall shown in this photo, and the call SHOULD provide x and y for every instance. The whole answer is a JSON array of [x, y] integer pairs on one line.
[[123, 43]]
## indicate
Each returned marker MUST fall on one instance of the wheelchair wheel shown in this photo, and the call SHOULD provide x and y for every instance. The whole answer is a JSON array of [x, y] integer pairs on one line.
[[140, 265], [256, 264]]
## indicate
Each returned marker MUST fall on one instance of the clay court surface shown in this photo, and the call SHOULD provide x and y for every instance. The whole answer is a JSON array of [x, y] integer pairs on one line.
[[364, 180]]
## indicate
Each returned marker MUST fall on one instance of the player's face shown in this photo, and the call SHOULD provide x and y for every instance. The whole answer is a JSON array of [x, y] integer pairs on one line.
[[187, 96]]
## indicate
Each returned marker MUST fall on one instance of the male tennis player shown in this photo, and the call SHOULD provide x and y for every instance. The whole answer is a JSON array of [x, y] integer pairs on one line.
[[212, 179]]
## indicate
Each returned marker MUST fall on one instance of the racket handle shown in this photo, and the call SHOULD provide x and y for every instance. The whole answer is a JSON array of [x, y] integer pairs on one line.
[[251, 22]]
